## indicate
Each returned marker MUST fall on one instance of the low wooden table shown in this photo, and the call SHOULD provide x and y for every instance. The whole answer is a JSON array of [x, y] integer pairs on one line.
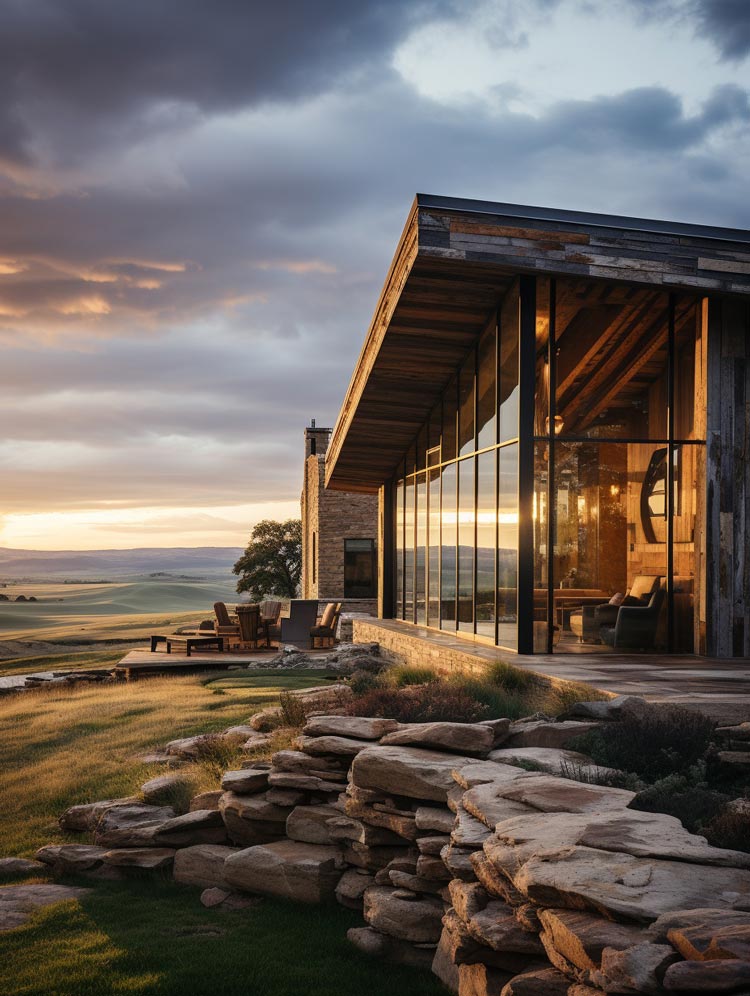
[[188, 642]]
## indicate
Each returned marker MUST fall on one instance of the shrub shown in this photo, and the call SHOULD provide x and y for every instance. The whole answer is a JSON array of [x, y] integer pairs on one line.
[[364, 681], [401, 675], [660, 741], [592, 775], [438, 701], [562, 697], [498, 702], [730, 828], [683, 796], [216, 755], [292, 710], [510, 678]]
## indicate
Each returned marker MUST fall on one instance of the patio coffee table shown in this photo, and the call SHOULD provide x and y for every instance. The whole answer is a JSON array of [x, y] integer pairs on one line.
[[190, 643]]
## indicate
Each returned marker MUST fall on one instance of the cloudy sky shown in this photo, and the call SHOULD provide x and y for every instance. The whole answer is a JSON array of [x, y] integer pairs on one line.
[[199, 200]]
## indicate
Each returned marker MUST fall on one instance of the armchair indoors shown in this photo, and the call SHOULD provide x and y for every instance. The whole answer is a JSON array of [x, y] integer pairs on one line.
[[636, 625], [587, 623]]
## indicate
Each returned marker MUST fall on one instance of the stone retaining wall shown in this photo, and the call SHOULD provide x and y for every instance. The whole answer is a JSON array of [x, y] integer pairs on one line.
[[499, 879]]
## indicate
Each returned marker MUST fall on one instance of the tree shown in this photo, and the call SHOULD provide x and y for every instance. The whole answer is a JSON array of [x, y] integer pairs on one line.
[[272, 562]]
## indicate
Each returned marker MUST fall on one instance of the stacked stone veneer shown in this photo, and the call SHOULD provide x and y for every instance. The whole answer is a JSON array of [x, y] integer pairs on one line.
[[332, 516], [499, 879]]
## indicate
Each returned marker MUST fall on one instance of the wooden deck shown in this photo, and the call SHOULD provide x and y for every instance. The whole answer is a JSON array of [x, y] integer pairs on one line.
[[143, 663]]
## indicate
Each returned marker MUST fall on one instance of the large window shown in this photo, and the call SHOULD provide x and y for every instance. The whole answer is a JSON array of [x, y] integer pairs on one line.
[[360, 569]]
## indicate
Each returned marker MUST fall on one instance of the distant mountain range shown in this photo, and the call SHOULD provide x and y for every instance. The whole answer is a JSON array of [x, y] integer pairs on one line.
[[100, 564]]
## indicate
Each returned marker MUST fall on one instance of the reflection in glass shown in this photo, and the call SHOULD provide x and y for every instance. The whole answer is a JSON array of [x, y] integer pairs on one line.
[[486, 546], [409, 551], [433, 548], [689, 462], [466, 406], [541, 560], [448, 556], [450, 414], [421, 543], [507, 547], [487, 387], [466, 541], [508, 387], [399, 559]]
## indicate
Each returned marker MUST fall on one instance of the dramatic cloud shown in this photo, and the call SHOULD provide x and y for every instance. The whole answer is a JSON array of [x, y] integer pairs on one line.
[[200, 203]]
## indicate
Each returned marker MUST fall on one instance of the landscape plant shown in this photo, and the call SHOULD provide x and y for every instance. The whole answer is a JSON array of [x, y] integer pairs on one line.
[[272, 561]]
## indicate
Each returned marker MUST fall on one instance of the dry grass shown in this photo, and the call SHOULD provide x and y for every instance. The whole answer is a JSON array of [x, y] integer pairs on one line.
[[66, 746]]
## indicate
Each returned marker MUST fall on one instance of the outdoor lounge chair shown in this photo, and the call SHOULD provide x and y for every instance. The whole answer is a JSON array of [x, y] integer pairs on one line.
[[249, 620], [223, 626], [323, 634], [296, 628], [270, 614]]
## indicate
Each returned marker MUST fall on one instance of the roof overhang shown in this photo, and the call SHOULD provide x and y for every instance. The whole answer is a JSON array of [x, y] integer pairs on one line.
[[454, 262]]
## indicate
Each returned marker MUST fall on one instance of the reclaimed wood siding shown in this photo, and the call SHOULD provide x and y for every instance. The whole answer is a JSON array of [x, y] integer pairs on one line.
[[728, 479], [661, 260]]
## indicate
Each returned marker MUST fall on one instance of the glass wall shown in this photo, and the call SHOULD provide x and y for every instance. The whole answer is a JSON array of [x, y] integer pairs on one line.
[[613, 424], [460, 574]]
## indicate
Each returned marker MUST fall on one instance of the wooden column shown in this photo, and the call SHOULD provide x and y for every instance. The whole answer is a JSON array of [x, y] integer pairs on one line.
[[727, 493]]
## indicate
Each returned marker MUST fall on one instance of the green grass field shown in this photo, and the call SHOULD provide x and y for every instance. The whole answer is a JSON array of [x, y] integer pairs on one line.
[[71, 745]]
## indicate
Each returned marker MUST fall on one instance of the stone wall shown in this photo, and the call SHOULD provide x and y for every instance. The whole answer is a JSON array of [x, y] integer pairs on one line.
[[403, 643], [329, 518], [501, 880]]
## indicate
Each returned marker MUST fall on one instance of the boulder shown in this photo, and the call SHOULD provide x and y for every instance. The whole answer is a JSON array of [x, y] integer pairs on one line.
[[580, 937], [351, 888], [538, 982], [20, 866], [18, 902], [418, 920], [546, 733], [640, 968], [725, 976], [267, 719], [71, 859], [622, 885], [206, 800], [163, 788], [307, 873], [201, 826], [372, 942], [485, 804], [461, 738], [481, 980], [705, 918], [309, 824], [337, 746], [145, 858], [251, 819], [87, 815], [191, 748], [202, 865], [246, 781], [406, 771], [358, 727]]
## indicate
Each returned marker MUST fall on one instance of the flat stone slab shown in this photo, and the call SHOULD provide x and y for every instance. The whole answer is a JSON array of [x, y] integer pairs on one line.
[[306, 873], [245, 781], [417, 919], [18, 902], [86, 815], [162, 788], [252, 819], [460, 738], [20, 866], [581, 937], [358, 727], [622, 885], [71, 859], [146, 858], [202, 865], [554, 760], [406, 771], [338, 746], [308, 824], [200, 826], [643, 835], [545, 733]]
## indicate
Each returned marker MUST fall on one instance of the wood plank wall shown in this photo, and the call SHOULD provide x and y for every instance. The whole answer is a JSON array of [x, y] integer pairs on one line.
[[728, 479]]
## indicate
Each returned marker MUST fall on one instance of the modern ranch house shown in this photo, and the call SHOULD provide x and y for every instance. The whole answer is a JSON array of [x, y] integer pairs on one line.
[[554, 408]]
